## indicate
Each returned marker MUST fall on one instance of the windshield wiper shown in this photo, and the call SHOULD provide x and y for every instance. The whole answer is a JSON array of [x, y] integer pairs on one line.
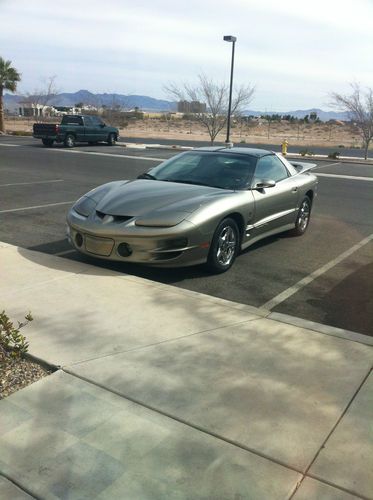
[[147, 176]]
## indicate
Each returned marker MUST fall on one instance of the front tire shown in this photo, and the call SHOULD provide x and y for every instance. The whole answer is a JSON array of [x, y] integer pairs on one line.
[[111, 140], [69, 141], [47, 142], [303, 217], [224, 246]]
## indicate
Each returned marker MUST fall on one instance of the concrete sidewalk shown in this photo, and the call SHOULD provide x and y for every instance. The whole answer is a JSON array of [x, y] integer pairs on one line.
[[162, 393]]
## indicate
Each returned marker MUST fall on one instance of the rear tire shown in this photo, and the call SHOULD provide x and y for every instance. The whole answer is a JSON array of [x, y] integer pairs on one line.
[[303, 217], [224, 246], [47, 142], [111, 140], [69, 141]]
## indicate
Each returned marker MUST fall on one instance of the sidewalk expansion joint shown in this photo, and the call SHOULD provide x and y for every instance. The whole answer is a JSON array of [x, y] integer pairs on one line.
[[336, 486], [114, 353], [305, 474], [20, 486], [185, 422]]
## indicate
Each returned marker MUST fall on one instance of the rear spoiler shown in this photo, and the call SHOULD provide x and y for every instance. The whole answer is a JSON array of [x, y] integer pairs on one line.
[[302, 167]]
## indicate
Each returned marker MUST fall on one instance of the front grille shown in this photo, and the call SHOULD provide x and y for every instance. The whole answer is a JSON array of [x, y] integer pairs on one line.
[[98, 246]]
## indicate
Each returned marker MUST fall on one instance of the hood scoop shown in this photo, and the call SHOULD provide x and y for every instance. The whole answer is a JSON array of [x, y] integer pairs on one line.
[[108, 218]]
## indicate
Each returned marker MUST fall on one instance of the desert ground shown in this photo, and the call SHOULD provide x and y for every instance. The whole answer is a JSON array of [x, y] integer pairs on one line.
[[336, 134]]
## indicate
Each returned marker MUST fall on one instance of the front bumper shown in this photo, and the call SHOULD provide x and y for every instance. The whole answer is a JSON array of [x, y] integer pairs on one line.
[[177, 246]]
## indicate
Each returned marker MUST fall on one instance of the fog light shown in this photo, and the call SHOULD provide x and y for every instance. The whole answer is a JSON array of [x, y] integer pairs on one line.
[[124, 250], [79, 239]]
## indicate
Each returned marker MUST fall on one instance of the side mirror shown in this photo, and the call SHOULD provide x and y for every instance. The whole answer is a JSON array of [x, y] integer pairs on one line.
[[102, 125], [264, 183]]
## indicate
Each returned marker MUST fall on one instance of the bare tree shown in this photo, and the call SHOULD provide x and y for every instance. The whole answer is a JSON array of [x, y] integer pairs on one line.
[[359, 106], [43, 95], [215, 96]]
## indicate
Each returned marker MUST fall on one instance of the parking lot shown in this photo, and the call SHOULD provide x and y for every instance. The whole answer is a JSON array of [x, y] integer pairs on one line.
[[326, 276]]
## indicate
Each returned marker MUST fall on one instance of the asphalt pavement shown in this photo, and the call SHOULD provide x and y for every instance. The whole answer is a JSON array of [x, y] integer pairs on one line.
[[326, 276]]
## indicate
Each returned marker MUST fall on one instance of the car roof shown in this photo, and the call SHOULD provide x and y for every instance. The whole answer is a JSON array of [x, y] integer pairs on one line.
[[244, 151]]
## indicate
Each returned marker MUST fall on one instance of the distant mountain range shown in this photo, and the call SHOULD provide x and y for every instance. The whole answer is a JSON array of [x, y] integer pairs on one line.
[[146, 103]]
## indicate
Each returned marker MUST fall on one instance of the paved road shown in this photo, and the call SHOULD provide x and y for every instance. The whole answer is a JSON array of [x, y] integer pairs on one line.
[[334, 259]]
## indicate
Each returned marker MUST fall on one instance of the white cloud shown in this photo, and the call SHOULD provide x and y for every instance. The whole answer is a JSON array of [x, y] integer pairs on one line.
[[292, 50]]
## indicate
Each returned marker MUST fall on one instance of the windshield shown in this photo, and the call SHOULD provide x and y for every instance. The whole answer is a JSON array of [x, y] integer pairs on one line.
[[221, 170]]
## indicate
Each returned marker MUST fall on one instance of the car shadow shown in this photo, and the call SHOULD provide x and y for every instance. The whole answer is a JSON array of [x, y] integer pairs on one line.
[[61, 248]]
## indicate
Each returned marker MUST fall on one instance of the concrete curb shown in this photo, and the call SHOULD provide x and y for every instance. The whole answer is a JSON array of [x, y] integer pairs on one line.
[[42, 362], [341, 159], [287, 319], [177, 147], [321, 328], [165, 147]]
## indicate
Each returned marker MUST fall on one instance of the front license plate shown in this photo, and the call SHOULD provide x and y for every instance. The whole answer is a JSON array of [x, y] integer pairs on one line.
[[99, 246]]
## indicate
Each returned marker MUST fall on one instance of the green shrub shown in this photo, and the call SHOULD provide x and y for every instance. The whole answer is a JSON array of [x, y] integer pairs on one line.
[[304, 152], [12, 342], [334, 155]]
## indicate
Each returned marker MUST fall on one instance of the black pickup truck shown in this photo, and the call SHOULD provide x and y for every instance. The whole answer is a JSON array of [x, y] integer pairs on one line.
[[76, 128]]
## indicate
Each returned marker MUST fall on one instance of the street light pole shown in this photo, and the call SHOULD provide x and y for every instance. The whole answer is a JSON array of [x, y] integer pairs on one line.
[[232, 39]]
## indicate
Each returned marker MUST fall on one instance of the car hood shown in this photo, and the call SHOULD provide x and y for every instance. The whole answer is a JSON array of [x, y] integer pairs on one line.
[[143, 196]]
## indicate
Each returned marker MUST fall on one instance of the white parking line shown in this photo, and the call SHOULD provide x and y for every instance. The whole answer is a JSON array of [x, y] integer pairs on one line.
[[352, 177], [11, 145], [111, 155], [281, 297], [37, 206], [28, 183], [133, 157], [328, 165]]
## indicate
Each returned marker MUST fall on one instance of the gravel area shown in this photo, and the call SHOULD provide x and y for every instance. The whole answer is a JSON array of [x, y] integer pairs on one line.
[[16, 374]]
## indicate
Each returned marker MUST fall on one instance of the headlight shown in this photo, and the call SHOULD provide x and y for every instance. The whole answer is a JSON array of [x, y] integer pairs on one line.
[[85, 206]]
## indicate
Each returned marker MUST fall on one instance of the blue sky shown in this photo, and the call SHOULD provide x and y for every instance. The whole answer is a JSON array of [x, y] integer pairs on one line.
[[295, 52]]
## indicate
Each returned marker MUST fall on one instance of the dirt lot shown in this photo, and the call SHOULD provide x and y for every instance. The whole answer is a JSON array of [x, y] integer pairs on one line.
[[315, 134]]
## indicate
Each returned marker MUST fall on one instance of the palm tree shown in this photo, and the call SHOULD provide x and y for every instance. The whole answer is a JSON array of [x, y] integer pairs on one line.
[[9, 77]]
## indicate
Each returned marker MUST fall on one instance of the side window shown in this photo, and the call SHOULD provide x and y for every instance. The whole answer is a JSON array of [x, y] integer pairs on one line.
[[72, 120], [96, 121], [88, 121], [270, 167]]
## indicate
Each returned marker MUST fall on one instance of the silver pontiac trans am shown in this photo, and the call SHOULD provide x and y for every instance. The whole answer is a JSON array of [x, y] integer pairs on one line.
[[201, 206]]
